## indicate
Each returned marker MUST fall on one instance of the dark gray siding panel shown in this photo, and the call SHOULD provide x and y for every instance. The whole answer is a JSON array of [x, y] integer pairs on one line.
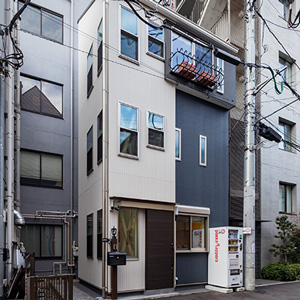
[[196, 185], [191, 268]]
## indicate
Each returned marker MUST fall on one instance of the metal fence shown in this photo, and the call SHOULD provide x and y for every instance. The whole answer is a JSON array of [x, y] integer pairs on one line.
[[59, 287]]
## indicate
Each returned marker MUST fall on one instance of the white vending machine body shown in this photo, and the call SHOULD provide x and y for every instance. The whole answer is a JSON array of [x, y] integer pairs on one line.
[[225, 259]]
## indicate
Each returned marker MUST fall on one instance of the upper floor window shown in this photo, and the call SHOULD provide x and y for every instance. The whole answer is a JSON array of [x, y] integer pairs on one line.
[[89, 156], [99, 234], [285, 130], [285, 198], [42, 22], [90, 71], [89, 236], [284, 8], [203, 151], [41, 96], [178, 144], [129, 37], [99, 137], [286, 75], [156, 130], [100, 46], [128, 130], [156, 41], [180, 46], [41, 169]]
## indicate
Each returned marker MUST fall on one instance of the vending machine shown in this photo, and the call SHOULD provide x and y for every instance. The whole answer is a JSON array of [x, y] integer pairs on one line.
[[225, 259]]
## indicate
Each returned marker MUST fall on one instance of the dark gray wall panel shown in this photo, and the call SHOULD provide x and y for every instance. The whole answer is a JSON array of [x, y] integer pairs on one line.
[[196, 185], [191, 268]]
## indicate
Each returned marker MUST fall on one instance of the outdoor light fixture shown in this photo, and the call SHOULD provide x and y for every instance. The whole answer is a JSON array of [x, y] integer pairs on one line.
[[114, 232]]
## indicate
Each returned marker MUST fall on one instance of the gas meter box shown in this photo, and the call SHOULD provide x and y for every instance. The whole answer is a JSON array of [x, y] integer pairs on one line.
[[225, 259], [116, 258]]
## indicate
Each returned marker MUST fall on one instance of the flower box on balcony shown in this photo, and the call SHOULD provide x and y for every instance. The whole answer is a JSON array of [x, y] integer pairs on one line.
[[187, 70], [207, 78]]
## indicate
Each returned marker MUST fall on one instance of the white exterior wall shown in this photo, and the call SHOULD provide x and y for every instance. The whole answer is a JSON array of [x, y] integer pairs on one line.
[[278, 165], [152, 175], [89, 187]]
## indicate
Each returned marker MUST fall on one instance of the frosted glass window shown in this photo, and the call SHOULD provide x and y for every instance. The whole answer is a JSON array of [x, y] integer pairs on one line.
[[203, 152], [128, 233], [178, 144]]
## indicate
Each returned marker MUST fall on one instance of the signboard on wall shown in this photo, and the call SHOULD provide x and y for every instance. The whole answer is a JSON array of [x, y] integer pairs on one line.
[[198, 238]]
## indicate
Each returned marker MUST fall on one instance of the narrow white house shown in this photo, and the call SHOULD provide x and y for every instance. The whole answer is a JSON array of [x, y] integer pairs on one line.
[[153, 132]]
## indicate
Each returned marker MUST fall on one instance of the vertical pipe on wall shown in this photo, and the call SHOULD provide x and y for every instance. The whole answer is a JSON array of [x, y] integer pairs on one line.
[[72, 133], [1, 182], [9, 81], [105, 96]]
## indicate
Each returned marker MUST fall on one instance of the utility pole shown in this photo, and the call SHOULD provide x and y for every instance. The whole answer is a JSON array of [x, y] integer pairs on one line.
[[249, 155]]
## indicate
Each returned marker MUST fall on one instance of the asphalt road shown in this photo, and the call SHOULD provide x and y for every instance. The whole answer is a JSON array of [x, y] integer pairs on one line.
[[286, 291]]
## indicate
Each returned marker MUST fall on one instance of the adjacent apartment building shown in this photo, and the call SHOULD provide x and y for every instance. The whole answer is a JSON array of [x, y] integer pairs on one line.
[[153, 141], [45, 134]]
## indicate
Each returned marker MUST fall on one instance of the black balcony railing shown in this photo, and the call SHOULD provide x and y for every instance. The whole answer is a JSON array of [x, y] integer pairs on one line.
[[197, 70]]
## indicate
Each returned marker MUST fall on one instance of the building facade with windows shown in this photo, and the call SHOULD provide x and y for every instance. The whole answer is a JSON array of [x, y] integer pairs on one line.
[[48, 155], [153, 145], [277, 165]]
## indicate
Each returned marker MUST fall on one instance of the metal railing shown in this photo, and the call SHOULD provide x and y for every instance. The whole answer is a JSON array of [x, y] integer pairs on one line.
[[198, 70], [51, 287]]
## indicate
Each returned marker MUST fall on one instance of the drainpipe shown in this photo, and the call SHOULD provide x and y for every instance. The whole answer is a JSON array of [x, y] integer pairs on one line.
[[17, 125], [1, 181], [105, 98], [71, 238], [9, 80]]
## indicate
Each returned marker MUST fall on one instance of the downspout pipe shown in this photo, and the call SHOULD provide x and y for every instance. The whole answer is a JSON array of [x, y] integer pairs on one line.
[[105, 98], [1, 182], [9, 134]]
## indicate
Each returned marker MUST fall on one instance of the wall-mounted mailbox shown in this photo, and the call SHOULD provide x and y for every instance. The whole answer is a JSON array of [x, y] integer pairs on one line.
[[116, 258]]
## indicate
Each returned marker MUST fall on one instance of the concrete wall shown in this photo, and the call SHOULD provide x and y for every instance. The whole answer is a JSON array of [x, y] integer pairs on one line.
[[278, 165]]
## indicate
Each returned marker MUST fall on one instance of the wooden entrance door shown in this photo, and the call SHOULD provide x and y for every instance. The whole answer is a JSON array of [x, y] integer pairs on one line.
[[159, 249]]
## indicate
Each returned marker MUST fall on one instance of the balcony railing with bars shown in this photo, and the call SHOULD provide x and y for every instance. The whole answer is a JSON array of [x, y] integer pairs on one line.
[[197, 70]]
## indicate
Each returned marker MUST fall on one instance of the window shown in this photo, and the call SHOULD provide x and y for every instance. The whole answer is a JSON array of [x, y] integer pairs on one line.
[[41, 169], [284, 9], [90, 71], [286, 75], [220, 66], [178, 144], [89, 156], [128, 220], [202, 151], [285, 198], [42, 22], [191, 233], [129, 38], [183, 45], [155, 130], [41, 96], [99, 137], [286, 132], [43, 240], [203, 57], [128, 130], [99, 234], [89, 236], [156, 41], [100, 46]]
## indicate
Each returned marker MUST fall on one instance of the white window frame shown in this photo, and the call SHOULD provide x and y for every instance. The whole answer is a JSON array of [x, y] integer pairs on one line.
[[200, 154], [137, 36], [179, 144], [137, 131], [193, 211], [220, 65], [285, 7], [162, 58], [163, 131]]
